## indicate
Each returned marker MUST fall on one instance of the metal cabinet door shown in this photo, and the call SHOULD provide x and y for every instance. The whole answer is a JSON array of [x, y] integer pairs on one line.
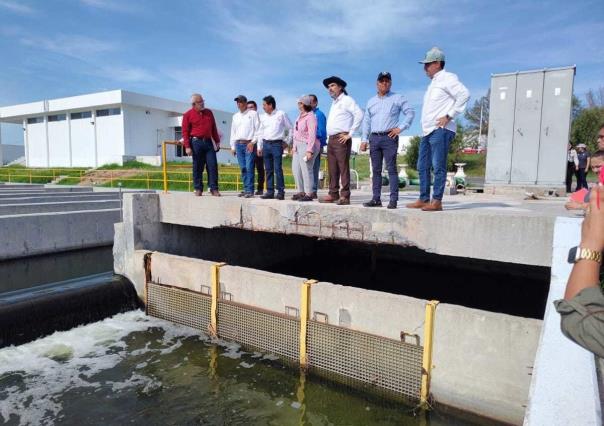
[[527, 126], [501, 128], [555, 126]]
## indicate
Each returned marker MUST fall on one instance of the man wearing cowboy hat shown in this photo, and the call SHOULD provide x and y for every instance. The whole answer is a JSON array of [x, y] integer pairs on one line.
[[344, 119], [445, 99]]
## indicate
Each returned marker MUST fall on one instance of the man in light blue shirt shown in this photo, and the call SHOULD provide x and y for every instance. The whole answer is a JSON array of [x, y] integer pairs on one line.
[[322, 136], [381, 128]]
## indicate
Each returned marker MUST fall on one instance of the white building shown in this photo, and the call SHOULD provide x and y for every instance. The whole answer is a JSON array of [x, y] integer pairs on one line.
[[101, 128]]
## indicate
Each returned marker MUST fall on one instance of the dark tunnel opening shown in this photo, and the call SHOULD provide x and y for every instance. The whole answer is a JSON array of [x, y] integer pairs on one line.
[[509, 288]]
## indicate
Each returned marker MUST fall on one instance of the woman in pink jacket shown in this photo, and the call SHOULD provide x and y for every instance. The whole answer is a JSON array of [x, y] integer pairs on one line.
[[305, 149]]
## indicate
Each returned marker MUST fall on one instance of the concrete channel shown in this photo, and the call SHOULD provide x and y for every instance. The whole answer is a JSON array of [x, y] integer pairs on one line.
[[484, 360], [41, 219]]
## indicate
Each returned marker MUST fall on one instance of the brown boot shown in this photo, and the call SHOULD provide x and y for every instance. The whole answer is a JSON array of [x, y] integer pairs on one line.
[[215, 193], [198, 193], [343, 202], [417, 204], [434, 206], [328, 199]]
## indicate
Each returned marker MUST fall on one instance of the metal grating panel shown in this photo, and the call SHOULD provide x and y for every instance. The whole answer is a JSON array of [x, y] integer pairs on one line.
[[262, 330], [179, 305], [355, 356]]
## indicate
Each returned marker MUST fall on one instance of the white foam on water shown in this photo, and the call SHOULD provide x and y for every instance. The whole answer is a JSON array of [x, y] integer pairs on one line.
[[66, 360]]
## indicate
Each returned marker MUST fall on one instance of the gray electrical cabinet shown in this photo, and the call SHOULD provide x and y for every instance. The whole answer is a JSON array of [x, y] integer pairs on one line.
[[529, 126]]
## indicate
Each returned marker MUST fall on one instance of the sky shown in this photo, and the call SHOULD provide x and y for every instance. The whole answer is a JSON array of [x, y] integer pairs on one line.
[[57, 48]]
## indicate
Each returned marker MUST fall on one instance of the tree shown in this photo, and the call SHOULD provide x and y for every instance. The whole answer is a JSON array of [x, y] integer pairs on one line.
[[577, 107], [585, 127], [412, 153], [472, 116], [595, 98]]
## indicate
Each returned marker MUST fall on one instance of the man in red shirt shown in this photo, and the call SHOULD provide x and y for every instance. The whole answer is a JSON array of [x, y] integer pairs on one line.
[[201, 139]]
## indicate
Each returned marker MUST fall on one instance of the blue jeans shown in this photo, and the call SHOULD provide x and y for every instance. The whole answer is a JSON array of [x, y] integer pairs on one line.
[[433, 151], [382, 147], [204, 155], [246, 164], [272, 151]]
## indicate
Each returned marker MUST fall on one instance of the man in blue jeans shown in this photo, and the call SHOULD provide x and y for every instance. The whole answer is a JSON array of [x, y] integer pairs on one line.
[[381, 128], [244, 128], [322, 136], [445, 98]]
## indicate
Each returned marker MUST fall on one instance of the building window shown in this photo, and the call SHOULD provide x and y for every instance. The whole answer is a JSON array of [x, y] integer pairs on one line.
[[34, 120], [58, 117], [108, 111], [80, 115]]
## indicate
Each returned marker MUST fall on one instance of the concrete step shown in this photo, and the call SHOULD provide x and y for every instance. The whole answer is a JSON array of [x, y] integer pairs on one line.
[[63, 206]]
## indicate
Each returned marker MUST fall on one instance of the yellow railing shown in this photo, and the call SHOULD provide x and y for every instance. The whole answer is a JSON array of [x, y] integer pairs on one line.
[[13, 175]]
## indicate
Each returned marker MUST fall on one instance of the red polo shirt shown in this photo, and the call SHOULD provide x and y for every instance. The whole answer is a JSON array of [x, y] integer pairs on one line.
[[200, 124]]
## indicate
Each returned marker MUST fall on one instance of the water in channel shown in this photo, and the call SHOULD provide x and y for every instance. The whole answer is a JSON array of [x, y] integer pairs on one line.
[[134, 369]]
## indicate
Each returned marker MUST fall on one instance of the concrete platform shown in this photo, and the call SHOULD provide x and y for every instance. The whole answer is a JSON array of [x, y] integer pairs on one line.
[[499, 228]]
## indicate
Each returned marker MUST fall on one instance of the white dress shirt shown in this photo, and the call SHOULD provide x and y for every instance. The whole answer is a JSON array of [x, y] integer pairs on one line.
[[446, 95], [244, 126], [273, 127], [345, 116]]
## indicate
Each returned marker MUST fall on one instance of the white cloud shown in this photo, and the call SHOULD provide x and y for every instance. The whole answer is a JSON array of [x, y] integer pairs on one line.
[[15, 7], [75, 46], [109, 5], [127, 74]]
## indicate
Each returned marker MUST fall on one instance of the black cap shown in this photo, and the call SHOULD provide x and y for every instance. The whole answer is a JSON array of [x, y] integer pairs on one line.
[[334, 79], [241, 98], [383, 75]]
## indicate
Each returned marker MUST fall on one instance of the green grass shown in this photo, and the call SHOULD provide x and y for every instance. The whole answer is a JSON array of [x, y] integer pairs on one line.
[[22, 174]]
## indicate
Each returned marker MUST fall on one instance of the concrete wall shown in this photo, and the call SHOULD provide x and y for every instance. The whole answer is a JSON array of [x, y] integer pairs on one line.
[[58, 143], [483, 360], [110, 139], [82, 142], [52, 206], [33, 234], [144, 132], [36, 145], [563, 371]]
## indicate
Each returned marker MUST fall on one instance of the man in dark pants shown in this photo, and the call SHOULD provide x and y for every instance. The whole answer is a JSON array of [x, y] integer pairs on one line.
[[381, 128], [344, 119], [572, 168], [583, 158], [259, 161], [201, 140]]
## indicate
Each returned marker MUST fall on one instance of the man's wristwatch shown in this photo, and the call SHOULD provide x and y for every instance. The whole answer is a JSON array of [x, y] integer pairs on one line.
[[580, 253]]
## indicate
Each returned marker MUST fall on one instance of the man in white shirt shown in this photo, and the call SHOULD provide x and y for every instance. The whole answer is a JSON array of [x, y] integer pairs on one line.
[[445, 99], [244, 128], [344, 119], [271, 140], [572, 168]]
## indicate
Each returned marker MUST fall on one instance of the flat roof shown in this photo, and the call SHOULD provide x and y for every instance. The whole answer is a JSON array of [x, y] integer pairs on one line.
[[16, 113]]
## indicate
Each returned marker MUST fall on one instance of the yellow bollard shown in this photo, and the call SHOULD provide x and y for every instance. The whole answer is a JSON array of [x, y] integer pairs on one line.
[[213, 328], [427, 359], [304, 316]]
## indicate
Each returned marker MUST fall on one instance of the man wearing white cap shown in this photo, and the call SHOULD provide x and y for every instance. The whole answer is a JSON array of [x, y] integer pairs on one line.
[[445, 99]]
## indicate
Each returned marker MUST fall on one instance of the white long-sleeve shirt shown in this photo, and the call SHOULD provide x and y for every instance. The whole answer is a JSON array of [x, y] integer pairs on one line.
[[445, 95], [345, 116], [273, 127], [244, 127]]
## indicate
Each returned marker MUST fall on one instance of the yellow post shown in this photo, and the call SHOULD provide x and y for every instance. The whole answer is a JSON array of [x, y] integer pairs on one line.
[[165, 165], [304, 316], [427, 359], [213, 329]]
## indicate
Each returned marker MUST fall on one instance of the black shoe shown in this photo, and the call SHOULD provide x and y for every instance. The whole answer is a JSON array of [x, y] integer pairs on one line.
[[392, 205], [297, 196], [268, 196], [373, 203], [280, 196], [248, 195], [314, 195], [259, 192], [241, 194], [305, 198]]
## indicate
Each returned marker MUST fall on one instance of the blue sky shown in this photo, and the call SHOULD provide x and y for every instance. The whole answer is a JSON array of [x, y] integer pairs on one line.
[[62, 48]]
